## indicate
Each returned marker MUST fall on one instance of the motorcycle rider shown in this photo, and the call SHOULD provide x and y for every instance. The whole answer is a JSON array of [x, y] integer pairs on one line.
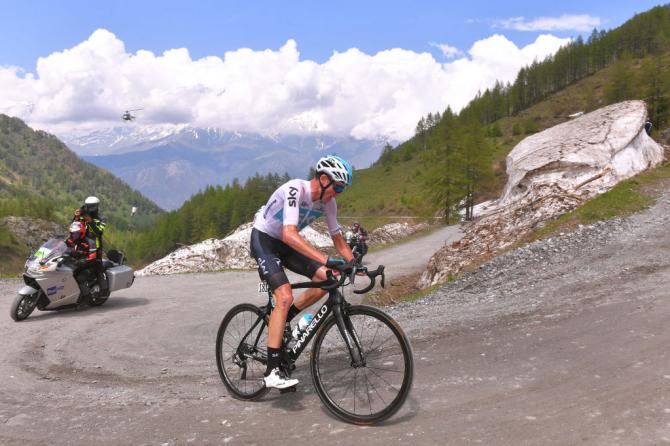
[[276, 242], [89, 215], [361, 235], [358, 229], [83, 252]]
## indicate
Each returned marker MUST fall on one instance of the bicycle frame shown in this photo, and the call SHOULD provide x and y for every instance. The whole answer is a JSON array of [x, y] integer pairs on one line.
[[334, 304]]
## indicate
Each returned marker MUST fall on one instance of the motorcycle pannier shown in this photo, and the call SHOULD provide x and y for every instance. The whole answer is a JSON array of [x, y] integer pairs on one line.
[[120, 277]]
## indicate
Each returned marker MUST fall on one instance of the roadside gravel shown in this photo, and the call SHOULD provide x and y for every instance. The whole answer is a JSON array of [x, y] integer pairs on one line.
[[547, 273]]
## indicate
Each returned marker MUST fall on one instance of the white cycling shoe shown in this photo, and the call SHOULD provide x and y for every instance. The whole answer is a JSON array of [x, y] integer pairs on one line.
[[277, 380]]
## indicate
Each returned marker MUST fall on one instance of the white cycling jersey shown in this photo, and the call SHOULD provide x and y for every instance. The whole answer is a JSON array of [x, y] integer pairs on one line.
[[292, 204]]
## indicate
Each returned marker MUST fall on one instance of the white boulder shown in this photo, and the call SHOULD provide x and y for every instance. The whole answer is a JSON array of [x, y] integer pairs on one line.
[[593, 152]]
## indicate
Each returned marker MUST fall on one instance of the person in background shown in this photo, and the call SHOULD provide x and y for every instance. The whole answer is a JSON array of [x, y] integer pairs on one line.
[[360, 239], [358, 229], [648, 126]]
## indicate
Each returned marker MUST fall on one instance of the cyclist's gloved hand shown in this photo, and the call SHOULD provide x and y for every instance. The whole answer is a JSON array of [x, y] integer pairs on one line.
[[340, 265], [335, 262]]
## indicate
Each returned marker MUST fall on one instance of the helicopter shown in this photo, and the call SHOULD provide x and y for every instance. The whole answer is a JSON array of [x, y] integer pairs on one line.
[[127, 116]]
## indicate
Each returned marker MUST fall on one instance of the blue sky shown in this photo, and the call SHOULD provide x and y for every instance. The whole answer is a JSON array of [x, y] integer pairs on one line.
[[38, 28], [367, 69]]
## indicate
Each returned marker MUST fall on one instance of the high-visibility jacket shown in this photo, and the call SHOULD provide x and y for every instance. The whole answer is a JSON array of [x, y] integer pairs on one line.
[[95, 227]]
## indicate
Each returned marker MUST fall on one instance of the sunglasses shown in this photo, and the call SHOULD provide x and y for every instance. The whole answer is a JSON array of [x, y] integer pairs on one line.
[[338, 187]]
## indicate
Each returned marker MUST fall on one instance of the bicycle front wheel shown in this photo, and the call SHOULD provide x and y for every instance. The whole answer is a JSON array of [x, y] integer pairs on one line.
[[375, 390], [241, 351]]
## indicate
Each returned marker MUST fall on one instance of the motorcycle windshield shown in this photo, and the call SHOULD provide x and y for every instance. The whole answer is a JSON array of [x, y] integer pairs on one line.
[[50, 249]]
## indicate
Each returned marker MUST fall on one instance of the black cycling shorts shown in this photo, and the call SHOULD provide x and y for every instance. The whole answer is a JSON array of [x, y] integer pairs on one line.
[[272, 255]]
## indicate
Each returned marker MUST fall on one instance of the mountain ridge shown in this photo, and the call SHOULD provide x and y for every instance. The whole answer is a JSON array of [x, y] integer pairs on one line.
[[170, 164], [38, 163]]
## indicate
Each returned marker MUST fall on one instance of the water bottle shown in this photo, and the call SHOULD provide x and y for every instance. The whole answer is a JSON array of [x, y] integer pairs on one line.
[[302, 324]]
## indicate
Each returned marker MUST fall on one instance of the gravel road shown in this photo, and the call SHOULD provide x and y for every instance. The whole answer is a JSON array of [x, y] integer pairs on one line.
[[562, 342]]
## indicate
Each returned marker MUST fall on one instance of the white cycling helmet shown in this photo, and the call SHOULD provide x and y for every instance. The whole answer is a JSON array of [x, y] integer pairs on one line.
[[336, 168]]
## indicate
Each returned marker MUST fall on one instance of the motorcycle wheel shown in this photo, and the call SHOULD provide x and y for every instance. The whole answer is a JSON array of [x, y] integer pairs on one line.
[[99, 299], [23, 306]]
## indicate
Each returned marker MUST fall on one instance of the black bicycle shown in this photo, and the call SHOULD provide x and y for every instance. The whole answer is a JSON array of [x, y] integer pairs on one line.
[[361, 361]]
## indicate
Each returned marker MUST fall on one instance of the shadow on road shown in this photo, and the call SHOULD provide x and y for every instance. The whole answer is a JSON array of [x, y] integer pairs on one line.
[[114, 303], [296, 402], [291, 402], [411, 409]]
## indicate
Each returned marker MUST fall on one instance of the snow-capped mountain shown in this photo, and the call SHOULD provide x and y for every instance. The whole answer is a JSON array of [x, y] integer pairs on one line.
[[133, 138], [169, 163]]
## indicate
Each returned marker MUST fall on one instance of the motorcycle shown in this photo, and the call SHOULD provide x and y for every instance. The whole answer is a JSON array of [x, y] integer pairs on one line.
[[50, 283], [358, 245]]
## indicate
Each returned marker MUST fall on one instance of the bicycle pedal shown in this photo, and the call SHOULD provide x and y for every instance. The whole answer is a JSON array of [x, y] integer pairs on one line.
[[289, 389]]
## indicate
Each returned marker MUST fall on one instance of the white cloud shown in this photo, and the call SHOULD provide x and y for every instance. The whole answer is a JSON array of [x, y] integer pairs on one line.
[[352, 93], [565, 22], [448, 52]]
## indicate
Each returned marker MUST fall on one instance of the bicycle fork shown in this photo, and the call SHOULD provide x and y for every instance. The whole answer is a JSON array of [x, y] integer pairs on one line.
[[350, 336]]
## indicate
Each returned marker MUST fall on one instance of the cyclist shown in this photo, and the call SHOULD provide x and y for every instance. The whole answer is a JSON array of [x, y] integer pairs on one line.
[[276, 243]]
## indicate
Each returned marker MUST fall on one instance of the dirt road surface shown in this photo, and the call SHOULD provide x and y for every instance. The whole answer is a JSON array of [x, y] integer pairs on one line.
[[571, 348]]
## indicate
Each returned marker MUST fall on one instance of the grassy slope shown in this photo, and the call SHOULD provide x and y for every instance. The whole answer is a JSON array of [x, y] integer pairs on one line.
[[380, 194], [383, 192]]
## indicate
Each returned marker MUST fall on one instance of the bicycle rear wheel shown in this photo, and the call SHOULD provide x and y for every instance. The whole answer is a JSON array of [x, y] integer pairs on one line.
[[241, 351], [375, 391]]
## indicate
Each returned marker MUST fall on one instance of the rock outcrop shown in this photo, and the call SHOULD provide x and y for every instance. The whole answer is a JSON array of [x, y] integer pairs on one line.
[[551, 173], [33, 231]]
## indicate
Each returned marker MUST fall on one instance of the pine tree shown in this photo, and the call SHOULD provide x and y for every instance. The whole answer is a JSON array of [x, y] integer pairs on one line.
[[620, 87], [654, 88], [443, 176]]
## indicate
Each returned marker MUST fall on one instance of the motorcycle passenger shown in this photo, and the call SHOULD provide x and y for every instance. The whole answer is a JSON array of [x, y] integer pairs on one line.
[[276, 243], [83, 252], [89, 215]]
